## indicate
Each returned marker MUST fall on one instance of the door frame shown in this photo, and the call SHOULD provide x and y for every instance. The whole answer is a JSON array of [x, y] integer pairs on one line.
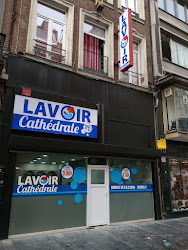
[[88, 215]]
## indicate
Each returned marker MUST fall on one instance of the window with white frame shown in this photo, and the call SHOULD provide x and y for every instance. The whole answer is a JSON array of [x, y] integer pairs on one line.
[[96, 49], [174, 51], [137, 7], [133, 74], [180, 54], [129, 4], [50, 33], [176, 8], [50, 39]]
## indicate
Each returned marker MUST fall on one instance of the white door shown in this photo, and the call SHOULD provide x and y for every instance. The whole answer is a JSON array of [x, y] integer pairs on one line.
[[97, 195]]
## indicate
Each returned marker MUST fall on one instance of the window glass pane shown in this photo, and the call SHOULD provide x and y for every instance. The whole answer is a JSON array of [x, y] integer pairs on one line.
[[166, 47], [134, 69], [179, 184], [124, 3], [57, 42], [170, 7], [132, 5], [42, 29], [130, 205], [171, 113], [51, 188], [135, 46], [180, 54], [94, 30], [97, 176], [182, 109], [50, 13], [181, 11], [161, 4]]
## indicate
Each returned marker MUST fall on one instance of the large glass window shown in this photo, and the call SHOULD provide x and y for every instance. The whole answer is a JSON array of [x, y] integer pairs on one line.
[[181, 11], [177, 109], [170, 7], [50, 41], [131, 194], [179, 184], [49, 193]]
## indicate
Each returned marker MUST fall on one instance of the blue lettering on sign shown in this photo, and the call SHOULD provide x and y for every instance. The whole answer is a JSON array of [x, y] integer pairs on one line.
[[53, 112], [43, 116], [26, 107], [40, 109]]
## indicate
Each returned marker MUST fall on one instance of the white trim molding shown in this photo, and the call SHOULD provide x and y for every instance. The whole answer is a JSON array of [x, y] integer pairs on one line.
[[62, 5]]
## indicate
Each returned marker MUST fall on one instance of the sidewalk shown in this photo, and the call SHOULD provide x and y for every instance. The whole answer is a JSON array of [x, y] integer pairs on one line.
[[121, 237]]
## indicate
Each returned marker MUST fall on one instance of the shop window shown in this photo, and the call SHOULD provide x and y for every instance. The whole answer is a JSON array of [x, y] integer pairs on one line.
[[96, 49], [176, 8], [180, 54], [165, 40], [177, 110], [179, 184], [51, 31]]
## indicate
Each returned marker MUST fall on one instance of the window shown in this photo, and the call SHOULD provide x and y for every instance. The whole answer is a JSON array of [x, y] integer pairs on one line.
[[181, 11], [180, 54], [173, 51], [129, 4], [138, 74], [179, 184], [94, 43], [176, 8], [137, 6], [177, 110], [50, 33], [96, 49], [133, 74]]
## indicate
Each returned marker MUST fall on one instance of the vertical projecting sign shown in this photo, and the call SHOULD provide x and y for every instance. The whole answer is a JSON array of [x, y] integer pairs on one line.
[[126, 40]]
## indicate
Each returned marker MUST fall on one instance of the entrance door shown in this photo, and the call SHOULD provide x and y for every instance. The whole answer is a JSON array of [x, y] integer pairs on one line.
[[97, 195]]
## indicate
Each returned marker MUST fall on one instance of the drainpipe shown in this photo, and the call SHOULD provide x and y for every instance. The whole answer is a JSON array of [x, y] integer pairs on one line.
[[155, 104]]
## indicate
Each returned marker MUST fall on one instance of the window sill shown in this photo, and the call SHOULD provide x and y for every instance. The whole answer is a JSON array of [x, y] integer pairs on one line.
[[94, 75], [130, 85], [49, 62], [173, 16], [166, 60], [138, 19]]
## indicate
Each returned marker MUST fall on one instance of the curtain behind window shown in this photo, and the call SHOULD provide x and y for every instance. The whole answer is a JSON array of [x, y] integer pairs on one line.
[[91, 52]]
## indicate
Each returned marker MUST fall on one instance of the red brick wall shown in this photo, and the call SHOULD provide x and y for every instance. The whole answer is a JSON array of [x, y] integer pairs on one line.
[[21, 22]]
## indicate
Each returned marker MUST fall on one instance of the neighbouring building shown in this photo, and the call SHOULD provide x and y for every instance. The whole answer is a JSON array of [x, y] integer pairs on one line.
[[169, 23], [77, 135]]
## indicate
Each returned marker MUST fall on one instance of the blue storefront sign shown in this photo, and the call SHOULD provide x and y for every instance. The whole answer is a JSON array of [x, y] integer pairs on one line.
[[51, 117]]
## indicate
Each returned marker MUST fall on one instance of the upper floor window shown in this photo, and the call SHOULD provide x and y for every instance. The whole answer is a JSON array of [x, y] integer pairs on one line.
[[176, 8], [174, 51], [50, 33], [50, 40], [176, 110], [129, 4], [94, 48], [133, 74]]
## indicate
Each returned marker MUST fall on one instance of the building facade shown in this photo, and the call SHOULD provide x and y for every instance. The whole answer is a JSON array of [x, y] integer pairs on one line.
[[169, 24], [77, 135]]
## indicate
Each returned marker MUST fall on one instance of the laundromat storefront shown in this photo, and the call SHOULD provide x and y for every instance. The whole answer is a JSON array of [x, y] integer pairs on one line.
[[58, 191]]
